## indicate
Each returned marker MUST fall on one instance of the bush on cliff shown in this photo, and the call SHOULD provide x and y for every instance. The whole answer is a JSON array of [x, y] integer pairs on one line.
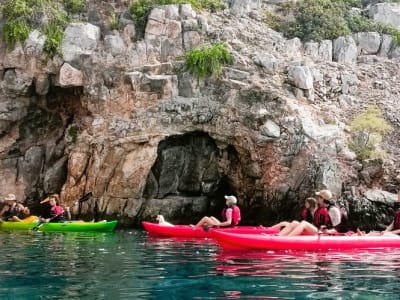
[[324, 19], [368, 129], [23, 16], [208, 61]]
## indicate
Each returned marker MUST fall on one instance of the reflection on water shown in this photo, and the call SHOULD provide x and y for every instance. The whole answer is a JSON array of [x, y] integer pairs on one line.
[[130, 265]]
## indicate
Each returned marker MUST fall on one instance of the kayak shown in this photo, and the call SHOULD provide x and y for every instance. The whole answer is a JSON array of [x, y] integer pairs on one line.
[[71, 226], [234, 241], [189, 231]]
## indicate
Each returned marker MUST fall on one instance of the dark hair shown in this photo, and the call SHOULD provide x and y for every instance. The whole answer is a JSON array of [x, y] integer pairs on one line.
[[329, 202], [312, 201]]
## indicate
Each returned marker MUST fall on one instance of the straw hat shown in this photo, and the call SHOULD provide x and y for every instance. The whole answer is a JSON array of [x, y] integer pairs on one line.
[[325, 194], [10, 197]]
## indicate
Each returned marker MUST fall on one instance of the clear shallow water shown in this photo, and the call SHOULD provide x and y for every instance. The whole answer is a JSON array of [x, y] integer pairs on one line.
[[130, 265]]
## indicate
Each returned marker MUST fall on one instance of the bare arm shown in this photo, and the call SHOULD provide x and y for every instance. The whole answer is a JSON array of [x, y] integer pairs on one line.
[[390, 227], [67, 210]]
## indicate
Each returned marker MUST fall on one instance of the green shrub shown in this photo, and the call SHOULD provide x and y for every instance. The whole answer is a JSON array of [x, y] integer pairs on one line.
[[74, 6], [325, 19], [208, 61], [113, 22], [73, 132], [21, 16], [368, 129], [55, 35], [15, 31]]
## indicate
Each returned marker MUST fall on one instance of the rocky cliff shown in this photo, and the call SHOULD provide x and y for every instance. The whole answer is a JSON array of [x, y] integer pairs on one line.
[[118, 114]]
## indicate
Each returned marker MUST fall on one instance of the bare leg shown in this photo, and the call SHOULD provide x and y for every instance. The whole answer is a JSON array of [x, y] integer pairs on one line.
[[288, 228], [280, 225], [304, 228], [208, 221]]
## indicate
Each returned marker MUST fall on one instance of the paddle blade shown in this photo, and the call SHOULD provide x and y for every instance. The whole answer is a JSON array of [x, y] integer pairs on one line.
[[85, 197], [45, 200]]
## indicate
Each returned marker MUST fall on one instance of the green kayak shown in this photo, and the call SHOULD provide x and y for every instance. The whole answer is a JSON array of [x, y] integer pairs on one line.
[[103, 226]]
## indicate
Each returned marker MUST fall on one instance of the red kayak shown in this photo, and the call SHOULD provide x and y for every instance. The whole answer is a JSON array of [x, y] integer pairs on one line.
[[188, 231], [235, 241]]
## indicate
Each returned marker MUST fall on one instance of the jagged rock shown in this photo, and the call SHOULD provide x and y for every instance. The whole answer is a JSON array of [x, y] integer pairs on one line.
[[367, 42], [31, 165], [386, 45], [69, 76], [268, 62], [17, 81], [270, 129], [15, 58], [301, 77], [79, 39], [243, 6], [387, 13], [34, 43], [374, 167], [55, 176], [345, 50], [114, 44]]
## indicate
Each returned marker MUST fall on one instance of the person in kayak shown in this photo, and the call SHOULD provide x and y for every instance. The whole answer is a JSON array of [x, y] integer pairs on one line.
[[13, 211], [230, 215], [310, 206], [321, 221], [57, 212], [394, 227]]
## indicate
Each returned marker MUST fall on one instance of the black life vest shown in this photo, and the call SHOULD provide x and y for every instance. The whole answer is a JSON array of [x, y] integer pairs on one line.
[[13, 211]]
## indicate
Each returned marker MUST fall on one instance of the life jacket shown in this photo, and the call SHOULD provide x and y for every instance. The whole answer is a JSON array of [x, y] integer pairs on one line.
[[330, 225], [321, 217], [396, 223], [13, 211], [307, 215], [57, 214], [236, 217]]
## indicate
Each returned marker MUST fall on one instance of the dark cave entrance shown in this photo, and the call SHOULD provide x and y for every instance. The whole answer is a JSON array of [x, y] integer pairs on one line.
[[191, 166]]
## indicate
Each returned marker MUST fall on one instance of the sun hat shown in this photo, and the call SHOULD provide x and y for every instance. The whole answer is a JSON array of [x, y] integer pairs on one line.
[[10, 197], [325, 194], [231, 198]]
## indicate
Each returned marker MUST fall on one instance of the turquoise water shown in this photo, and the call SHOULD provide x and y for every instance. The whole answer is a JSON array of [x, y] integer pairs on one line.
[[130, 265]]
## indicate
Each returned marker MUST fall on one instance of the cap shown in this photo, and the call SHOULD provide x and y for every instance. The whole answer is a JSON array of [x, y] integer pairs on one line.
[[232, 198], [325, 194], [10, 197]]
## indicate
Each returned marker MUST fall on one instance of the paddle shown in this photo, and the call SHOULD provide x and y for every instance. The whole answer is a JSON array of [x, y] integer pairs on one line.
[[80, 200]]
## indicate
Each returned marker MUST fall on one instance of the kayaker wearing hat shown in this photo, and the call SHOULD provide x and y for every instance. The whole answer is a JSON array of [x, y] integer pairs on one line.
[[335, 216], [321, 220], [394, 227], [12, 210], [230, 215]]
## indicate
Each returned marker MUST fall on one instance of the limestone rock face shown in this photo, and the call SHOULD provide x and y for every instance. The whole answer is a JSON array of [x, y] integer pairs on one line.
[[387, 13], [79, 39], [119, 115]]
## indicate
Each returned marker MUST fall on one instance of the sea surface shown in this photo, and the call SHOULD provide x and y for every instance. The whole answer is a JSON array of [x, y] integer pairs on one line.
[[130, 265]]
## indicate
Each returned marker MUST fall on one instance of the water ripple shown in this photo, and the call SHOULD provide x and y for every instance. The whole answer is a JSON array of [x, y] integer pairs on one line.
[[130, 265]]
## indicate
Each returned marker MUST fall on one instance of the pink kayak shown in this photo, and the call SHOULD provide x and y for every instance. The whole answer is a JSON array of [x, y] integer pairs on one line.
[[235, 241], [189, 231]]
